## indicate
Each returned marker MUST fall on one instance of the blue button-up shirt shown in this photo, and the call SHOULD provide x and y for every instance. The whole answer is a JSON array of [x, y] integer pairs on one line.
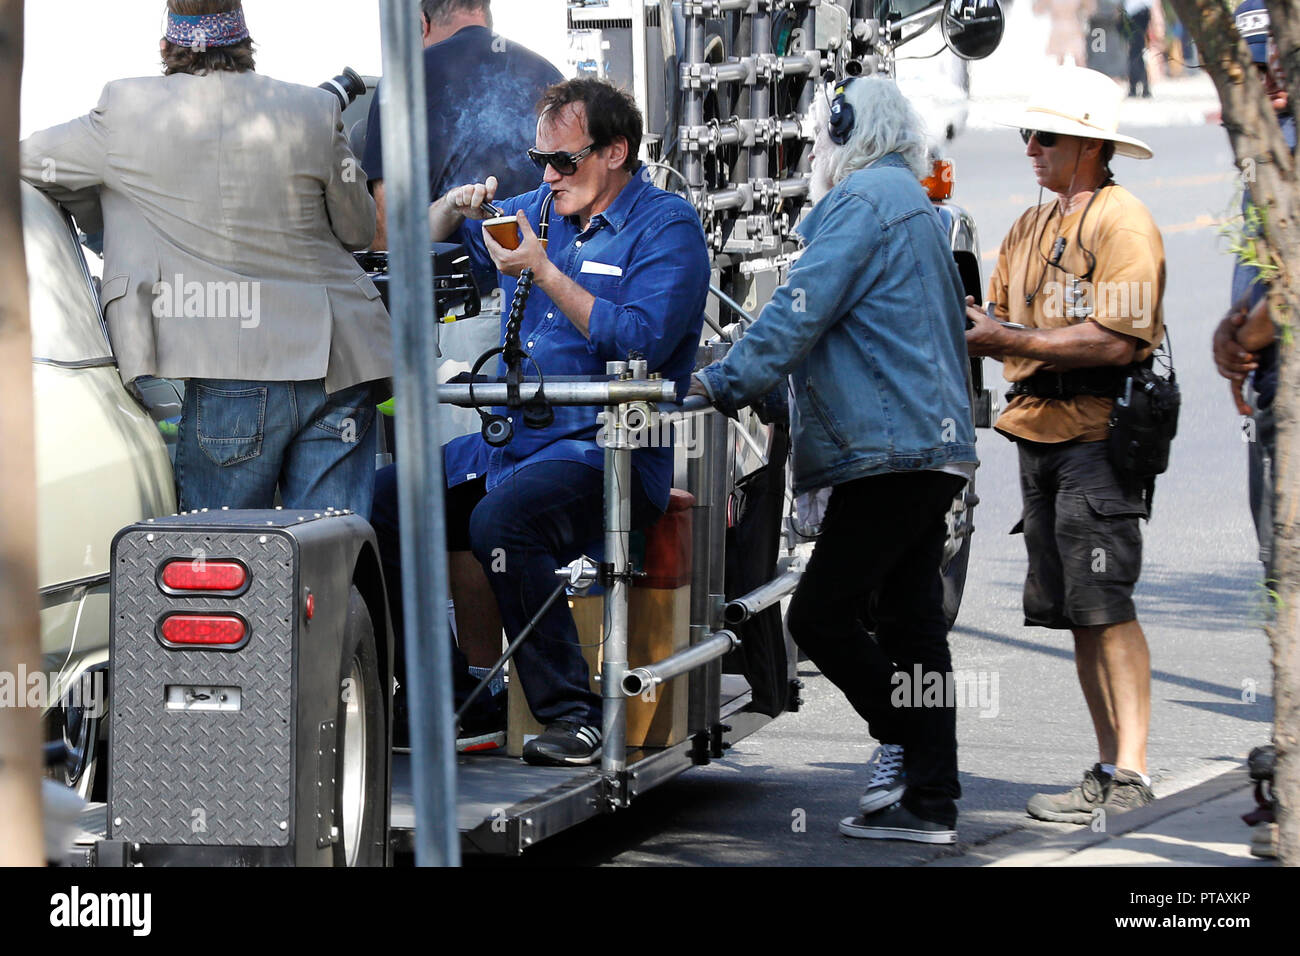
[[646, 262]]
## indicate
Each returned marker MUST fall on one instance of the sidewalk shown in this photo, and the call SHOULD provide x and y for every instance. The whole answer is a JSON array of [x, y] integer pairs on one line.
[[1199, 826], [1188, 101], [1002, 83]]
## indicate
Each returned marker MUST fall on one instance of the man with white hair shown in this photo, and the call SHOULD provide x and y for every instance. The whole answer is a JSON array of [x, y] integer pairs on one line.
[[1081, 278], [869, 327]]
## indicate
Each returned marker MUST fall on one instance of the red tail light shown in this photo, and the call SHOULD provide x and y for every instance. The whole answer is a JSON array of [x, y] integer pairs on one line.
[[199, 575], [204, 630]]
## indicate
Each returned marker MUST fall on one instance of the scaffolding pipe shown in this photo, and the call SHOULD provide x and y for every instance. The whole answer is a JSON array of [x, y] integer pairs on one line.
[[698, 482], [618, 529], [761, 598], [760, 98], [735, 71], [641, 679], [693, 113], [721, 473], [491, 394], [793, 187], [420, 486]]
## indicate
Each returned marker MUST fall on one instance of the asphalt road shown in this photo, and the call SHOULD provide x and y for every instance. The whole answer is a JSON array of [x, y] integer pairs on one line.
[[776, 797]]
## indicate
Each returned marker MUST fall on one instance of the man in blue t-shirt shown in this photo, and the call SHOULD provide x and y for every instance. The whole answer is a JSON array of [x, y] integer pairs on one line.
[[482, 96], [482, 93]]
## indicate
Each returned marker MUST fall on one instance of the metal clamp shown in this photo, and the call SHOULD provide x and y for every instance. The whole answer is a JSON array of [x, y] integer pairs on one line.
[[581, 574]]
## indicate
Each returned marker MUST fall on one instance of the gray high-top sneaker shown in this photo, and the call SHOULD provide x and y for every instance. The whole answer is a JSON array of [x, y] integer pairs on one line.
[[887, 782]]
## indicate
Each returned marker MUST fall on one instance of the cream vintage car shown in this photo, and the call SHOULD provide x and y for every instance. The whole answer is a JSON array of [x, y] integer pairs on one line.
[[101, 464]]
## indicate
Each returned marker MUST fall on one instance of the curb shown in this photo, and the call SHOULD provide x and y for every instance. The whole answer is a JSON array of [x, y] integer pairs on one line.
[[1041, 846]]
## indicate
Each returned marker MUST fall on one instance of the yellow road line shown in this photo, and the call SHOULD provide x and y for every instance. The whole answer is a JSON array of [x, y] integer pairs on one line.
[[1203, 221]]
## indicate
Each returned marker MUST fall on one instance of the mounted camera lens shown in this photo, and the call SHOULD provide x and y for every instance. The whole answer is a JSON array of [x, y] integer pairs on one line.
[[347, 86]]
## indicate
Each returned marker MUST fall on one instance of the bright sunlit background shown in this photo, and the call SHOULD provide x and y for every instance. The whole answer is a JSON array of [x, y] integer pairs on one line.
[[74, 47]]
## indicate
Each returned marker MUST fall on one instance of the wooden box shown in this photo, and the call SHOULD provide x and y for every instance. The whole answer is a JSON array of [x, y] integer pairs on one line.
[[658, 625]]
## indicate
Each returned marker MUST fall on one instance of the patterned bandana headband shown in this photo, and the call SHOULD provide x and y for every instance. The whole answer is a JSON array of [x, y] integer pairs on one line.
[[207, 30]]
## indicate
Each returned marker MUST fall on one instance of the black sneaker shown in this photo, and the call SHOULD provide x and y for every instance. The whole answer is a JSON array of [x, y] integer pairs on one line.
[[479, 732], [896, 822], [886, 785], [484, 727], [1127, 792], [1073, 806], [564, 743]]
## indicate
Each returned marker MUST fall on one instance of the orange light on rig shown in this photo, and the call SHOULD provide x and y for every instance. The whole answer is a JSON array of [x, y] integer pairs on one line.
[[938, 185]]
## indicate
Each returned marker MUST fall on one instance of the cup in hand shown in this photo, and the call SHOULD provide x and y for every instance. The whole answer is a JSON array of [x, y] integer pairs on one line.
[[505, 230]]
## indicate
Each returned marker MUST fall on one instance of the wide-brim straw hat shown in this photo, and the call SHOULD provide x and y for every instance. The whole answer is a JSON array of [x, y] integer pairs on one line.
[[1073, 101]]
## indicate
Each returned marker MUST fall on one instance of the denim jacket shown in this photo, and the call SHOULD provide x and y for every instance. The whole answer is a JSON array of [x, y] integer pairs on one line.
[[870, 326]]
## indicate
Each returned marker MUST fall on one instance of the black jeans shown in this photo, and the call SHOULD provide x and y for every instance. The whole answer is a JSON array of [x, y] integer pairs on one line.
[[881, 544]]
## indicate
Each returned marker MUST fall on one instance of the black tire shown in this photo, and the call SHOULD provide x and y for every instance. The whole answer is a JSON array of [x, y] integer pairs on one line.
[[953, 570], [954, 582], [365, 778], [83, 731]]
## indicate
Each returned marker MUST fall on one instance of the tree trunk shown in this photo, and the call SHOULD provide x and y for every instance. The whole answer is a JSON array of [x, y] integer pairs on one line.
[[21, 841], [1268, 170]]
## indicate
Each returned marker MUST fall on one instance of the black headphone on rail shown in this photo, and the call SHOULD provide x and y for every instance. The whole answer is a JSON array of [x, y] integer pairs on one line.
[[497, 430], [841, 115]]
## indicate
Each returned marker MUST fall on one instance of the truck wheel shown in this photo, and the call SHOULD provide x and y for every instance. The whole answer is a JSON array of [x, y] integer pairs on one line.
[[956, 550], [358, 804], [80, 733]]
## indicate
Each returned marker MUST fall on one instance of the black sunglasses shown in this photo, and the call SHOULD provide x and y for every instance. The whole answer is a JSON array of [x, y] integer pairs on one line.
[[564, 163], [1045, 139]]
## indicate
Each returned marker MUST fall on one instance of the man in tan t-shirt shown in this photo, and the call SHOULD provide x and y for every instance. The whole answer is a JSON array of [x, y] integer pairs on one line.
[[1084, 274]]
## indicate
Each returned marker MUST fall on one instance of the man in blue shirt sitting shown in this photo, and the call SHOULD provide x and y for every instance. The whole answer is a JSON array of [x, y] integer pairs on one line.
[[625, 272]]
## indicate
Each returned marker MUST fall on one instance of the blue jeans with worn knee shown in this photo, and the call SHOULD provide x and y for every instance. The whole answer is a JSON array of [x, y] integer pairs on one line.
[[241, 440]]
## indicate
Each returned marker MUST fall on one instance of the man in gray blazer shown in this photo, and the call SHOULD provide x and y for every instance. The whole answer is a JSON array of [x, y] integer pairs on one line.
[[228, 203]]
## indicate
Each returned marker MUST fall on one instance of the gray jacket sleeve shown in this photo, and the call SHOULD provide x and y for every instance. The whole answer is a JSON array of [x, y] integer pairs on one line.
[[68, 163], [347, 200]]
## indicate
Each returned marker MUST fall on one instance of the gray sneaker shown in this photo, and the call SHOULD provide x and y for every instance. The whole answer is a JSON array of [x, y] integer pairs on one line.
[[1127, 792], [886, 784], [1077, 805], [1263, 841]]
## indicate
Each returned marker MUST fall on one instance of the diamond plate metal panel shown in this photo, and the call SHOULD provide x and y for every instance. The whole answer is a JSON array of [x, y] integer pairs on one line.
[[202, 777]]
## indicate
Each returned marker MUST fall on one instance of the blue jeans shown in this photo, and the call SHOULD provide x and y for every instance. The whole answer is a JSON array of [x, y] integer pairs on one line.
[[538, 519], [240, 440], [1262, 454]]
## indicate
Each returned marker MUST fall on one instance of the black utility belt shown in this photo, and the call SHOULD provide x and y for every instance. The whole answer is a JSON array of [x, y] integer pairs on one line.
[[1107, 382]]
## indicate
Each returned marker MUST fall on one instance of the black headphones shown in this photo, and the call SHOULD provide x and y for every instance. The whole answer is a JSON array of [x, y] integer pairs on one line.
[[841, 118], [497, 430]]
